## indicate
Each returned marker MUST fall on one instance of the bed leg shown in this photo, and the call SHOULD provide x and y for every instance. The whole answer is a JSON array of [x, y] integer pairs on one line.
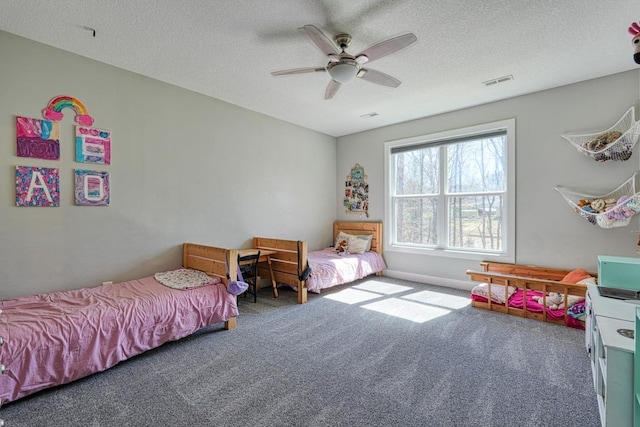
[[230, 324], [302, 293]]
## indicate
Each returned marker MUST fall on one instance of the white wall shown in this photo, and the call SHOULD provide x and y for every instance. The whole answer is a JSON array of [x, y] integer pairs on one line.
[[548, 232], [185, 168]]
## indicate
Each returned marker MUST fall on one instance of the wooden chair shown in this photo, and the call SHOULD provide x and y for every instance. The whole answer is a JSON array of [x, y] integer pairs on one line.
[[249, 268]]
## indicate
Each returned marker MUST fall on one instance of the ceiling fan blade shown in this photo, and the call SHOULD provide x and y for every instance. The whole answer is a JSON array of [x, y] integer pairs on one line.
[[386, 47], [378, 77], [321, 41], [331, 90], [298, 71]]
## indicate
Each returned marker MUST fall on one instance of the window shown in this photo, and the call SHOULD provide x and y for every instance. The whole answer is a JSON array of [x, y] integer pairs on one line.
[[451, 193]]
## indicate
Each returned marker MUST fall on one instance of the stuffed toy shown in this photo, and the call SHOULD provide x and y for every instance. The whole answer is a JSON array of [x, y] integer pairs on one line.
[[634, 30], [620, 210], [342, 248], [554, 299]]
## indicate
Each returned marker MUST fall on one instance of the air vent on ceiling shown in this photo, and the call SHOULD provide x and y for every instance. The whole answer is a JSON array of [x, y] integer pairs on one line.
[[498, 80], [368, 115]]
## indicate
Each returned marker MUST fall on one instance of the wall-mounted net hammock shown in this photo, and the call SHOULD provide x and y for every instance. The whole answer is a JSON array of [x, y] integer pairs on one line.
[[613, 209], [615, 143]]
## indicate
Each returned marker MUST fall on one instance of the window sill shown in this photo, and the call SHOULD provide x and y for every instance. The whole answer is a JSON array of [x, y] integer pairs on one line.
[[451, 253]]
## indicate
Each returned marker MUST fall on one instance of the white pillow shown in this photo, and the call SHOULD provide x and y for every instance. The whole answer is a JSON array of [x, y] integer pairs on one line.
[[367, 238], [184, 278], [355, 245], [345, 236], [588, 281], [497, 292]]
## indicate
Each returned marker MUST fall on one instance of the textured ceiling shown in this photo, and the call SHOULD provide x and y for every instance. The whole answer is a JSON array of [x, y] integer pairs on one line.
[[228, 48]]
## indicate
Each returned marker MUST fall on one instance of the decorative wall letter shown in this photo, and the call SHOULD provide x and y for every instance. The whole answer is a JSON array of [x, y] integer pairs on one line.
[[93, 145], [37, 138], [37, 186], [92, 188]]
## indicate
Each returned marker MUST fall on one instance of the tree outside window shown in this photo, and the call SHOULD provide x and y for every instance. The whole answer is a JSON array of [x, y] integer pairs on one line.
[[451, 193]]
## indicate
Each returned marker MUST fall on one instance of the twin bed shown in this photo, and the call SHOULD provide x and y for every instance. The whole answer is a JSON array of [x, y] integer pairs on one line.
[[305, 271], [55, 338], [546, 294]]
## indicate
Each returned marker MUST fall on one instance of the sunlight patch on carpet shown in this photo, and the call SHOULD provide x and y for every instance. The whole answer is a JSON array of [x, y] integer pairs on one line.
[[408, 310], [382, 287], [352, 296], [442, 300]]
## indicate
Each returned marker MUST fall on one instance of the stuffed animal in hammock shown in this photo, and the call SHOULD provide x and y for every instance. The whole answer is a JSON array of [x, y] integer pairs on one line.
[[634, 30], [342, 249]]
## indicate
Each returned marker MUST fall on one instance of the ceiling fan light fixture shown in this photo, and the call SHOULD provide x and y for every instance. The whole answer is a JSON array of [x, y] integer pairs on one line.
[[344, 67], [343, 72]]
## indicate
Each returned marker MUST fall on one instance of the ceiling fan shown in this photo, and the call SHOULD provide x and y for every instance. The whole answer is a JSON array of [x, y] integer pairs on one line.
[[343, 67]]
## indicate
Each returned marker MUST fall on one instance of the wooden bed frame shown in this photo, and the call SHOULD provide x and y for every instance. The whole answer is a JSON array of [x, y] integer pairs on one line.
[[290, 261], [214, 262], [98, 332], [525, 278]]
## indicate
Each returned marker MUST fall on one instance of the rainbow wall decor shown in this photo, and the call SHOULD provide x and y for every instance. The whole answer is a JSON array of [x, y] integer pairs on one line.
[[57, 104], [37, 138], [37, 186]]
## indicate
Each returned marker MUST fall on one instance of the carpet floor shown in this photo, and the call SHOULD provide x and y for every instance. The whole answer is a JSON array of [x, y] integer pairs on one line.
[[377, 352]]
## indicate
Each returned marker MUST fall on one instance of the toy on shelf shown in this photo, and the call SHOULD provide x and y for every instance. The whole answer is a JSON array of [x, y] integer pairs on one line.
[[615, 143], [613, 209]]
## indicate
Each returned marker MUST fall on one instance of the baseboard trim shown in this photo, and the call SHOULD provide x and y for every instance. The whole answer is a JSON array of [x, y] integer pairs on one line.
[[430, 280]]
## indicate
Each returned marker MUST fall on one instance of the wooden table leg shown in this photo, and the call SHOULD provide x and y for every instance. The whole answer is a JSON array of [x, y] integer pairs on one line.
[[274, 285]]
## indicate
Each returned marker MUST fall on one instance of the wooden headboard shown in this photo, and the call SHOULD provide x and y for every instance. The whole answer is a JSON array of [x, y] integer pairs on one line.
[[287, 263], [373, 228], [213, 261]]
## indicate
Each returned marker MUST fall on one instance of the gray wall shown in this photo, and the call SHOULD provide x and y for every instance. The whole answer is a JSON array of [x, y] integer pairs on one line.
[[185, 168], [548, 232]]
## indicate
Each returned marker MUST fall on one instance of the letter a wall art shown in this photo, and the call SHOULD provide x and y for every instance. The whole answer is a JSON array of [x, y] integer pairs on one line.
[[37, 186]]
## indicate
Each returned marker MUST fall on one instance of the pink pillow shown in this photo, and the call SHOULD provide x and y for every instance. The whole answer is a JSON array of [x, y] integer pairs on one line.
[[576, 275]]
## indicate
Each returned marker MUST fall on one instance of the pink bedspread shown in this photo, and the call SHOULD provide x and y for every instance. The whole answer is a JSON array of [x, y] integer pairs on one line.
[[330, 269], [517, 301], [55, 338]]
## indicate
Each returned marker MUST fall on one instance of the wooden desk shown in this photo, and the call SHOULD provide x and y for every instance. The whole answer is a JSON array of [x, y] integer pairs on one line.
[[265, 256]]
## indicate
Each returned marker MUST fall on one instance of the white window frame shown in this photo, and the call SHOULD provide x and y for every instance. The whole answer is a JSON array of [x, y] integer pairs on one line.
[[508, 254]]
